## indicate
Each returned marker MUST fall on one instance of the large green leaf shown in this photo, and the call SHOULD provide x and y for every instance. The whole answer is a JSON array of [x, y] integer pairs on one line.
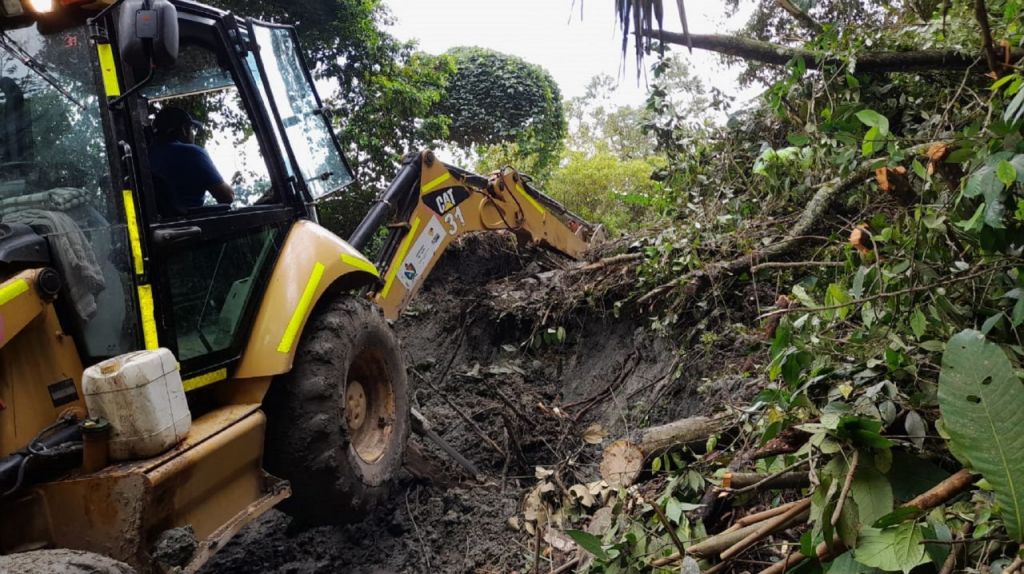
[[892, 549], [873, 493], [873, 119], [982, 404]]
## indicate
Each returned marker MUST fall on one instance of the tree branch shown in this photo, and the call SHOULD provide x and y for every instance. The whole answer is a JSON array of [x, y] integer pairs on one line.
[[938, 494], [856, 302], [981, 14], [800, 16], [748, 49]]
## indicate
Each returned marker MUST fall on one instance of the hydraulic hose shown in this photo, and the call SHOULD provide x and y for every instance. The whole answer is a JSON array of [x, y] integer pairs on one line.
[[56, 449]]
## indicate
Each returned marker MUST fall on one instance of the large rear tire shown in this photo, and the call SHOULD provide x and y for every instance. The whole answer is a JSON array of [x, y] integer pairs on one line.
[[337, 424], [61, 562]]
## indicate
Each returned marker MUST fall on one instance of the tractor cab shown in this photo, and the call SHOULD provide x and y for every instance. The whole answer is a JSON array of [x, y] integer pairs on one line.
[[94, 267], [81, 85]]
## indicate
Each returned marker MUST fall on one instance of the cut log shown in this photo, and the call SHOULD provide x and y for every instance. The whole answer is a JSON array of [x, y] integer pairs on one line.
[[624, 459]]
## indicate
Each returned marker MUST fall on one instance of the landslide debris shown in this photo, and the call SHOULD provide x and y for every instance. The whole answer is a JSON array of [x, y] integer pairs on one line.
[[518, 364]]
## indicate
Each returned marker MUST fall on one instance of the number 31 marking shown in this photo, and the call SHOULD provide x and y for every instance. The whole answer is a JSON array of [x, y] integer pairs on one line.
[[454, 219]]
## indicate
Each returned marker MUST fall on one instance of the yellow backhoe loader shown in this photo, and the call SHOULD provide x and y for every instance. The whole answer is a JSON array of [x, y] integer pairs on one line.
[[276, 329]]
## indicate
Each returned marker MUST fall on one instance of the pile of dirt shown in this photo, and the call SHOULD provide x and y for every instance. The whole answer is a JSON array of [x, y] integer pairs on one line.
[[510, 388]]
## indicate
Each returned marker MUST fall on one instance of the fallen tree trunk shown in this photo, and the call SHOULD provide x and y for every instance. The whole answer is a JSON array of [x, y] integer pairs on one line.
[[749, 49], [625, 459]]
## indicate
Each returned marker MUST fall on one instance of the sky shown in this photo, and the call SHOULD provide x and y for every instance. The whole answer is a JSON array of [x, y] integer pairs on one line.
[[552, 34]]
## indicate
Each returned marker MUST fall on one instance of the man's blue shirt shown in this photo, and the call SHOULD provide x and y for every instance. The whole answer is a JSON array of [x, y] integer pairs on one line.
[[184, 172]]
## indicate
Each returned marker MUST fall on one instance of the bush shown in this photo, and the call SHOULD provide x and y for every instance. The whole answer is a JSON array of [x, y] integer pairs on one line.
[[603, 188]]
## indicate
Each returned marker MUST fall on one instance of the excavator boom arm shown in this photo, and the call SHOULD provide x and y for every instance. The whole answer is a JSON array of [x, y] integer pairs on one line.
[[430, 204]]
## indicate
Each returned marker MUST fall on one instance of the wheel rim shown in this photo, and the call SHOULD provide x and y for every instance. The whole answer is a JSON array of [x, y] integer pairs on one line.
[[369, 406], [355, 405]]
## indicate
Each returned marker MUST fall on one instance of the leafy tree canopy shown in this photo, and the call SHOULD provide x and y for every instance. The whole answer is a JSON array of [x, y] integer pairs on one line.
[[495, 99]]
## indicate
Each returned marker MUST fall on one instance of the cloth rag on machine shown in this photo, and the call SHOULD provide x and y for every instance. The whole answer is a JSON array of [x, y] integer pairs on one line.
[[76, 260]]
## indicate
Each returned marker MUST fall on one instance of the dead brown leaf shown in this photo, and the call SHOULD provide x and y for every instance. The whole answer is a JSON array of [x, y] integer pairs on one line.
[[594, 434], [860, 239], [882, 176], [936, 154]]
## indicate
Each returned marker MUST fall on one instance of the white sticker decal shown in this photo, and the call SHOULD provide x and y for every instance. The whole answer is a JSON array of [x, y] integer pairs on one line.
[[422, 252]]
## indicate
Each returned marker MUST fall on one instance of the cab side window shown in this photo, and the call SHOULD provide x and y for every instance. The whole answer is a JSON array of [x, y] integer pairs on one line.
[[203, 153]]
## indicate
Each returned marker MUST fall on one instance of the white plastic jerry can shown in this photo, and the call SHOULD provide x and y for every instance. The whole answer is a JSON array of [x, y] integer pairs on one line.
[[142, 397]]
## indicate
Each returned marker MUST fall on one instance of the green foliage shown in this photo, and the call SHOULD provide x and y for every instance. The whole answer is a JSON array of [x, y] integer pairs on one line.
[[606, 189], [495, 99], [857, 341], [983, 412], [588, 542], [878, 133], [894, 549]]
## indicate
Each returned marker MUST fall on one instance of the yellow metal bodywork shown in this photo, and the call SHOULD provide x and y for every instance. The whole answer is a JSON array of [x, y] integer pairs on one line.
[[452, 205], [312, 261], [34, 354], [213, 482]]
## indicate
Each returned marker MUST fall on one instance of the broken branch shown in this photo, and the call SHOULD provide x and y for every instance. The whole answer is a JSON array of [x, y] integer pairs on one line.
[[614, 260], [843, 494], [944, 491], [668, 527], [748, 482], [988, 46], [764, 514], [890, 294], [422, 427], [938, 494], [798, 513], [801, 16], [748, 49], [472, 425], [795, 265]]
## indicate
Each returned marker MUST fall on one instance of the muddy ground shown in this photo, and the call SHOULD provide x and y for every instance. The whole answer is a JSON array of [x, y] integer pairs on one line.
[[467, 340]]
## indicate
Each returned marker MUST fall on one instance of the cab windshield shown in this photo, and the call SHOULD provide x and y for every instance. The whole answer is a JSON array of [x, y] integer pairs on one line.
[[55, 177]]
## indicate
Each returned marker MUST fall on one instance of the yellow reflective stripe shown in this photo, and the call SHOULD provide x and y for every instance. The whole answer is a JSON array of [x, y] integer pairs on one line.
[[133, 231], [402, 252], [204, 380], [110, 83], [11, 292], [148, 318], [360, 264], [530, 198], [434, 183], [301, 310]]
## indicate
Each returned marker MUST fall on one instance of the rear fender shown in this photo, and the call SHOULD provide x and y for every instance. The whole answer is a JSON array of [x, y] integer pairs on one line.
[[312, 262]]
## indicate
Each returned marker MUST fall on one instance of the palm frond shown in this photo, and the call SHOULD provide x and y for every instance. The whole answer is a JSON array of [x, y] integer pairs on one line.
[[637, 16]]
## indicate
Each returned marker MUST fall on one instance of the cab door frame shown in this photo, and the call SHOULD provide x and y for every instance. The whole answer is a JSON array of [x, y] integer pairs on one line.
[[162, 239]]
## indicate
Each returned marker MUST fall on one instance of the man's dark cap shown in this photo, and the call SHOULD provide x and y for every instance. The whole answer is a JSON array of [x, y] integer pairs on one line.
[[170, 119]]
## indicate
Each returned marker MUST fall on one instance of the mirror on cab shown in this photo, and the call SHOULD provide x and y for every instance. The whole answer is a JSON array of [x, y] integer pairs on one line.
[[148, 35]]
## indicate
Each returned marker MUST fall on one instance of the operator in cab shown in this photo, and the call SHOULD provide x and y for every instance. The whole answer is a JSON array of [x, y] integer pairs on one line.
[[183, 171]]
